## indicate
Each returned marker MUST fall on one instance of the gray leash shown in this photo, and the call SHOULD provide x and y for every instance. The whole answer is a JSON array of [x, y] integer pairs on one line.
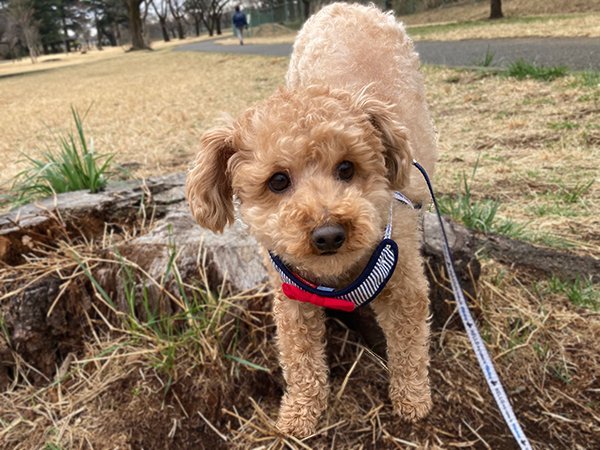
[[483, 357]]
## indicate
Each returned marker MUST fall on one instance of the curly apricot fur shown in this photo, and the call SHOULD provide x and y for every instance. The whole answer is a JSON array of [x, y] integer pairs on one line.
[[354, 93]]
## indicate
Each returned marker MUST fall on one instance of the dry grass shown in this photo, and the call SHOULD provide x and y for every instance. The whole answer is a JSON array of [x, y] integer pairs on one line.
[[572, 25], [147, 107], [150, 108], [536, 142], [468, 20], [469, 10], [130, 387], [48, 62], [576, 25]]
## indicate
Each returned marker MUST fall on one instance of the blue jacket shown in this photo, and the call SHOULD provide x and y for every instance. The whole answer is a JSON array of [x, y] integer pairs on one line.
[[239, 20]]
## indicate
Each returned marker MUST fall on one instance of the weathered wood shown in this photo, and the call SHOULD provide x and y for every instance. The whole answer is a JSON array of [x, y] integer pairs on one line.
[[121, 203], [227, 262], [545, 260], [81, 213]]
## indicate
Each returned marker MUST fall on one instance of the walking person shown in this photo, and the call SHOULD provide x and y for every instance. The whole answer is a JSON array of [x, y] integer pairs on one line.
[[239, 23]]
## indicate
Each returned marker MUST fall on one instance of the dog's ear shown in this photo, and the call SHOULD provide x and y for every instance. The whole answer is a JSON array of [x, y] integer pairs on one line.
[[398, 153], [208, 184]]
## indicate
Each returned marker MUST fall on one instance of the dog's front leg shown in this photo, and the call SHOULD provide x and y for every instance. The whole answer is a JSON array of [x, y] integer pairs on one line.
[[402, 314], [301, 340]]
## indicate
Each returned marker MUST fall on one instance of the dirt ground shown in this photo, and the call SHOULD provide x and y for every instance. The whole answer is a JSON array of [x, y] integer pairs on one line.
[[131, 388]]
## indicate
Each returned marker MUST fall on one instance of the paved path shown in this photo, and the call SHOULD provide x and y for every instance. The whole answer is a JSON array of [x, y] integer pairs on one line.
[[575, 53]]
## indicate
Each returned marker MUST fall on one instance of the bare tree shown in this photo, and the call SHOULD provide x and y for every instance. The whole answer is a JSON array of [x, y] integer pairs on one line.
[[195, 9], [217, 7], [161, 12], [21, 12], [214, 12], [136, 28], [178, 13], [10, 36], [496, 9]]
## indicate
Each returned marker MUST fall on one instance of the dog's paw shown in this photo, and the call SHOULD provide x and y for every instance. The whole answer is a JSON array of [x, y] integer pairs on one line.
[[412, 408], [298, 421], [298, 426]]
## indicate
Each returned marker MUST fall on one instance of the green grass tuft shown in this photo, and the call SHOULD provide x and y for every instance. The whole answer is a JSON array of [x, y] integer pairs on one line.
[[478, 215], [52, 446], [522, 69], [576, 193], [580, 292], [74, 166], [589, 79], [487, 59]]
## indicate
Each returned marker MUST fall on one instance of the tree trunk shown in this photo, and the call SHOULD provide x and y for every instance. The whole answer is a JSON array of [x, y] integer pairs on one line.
[[196, 25], [63, 19], [163, 28], [30, 40], [207, 21], [37, 333], [496, 9], [111, 38], [135, 25], [306, 4], [180, 30], [22, 13], [218, 24], [117, 33], [162, 20], [98, 32]]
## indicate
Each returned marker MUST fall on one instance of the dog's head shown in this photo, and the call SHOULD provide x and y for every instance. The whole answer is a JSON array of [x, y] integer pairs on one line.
[[312, 169]]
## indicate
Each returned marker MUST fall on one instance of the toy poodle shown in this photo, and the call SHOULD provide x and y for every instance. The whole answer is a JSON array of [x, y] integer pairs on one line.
[[314, 169]]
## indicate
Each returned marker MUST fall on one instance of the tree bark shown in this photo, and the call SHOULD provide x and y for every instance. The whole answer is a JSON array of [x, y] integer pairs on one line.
[[496, 9], [180, 30], [218, 23], [119, 203], [196, 25], [306, 5], [135, 25], [176, 12], [98, 31], [22, 12], [163, 29], [30, 39], [162, 19], [65, 30]]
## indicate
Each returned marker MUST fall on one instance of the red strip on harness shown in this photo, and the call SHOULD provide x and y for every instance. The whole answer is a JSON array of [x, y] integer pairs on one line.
[[294, 293]]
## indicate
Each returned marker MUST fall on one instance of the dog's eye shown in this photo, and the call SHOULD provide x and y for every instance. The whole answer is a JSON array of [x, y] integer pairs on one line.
[[279, 182], [345, 170]]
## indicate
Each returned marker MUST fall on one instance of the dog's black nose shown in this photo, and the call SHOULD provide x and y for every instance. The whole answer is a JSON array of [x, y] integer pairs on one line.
[[328, 238]]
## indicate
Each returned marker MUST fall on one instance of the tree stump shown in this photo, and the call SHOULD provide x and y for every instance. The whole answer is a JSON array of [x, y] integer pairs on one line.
[[230, 261]]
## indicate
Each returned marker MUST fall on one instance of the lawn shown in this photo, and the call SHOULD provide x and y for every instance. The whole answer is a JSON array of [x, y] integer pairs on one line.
[[535, 145], [149, 109], [574, 25]]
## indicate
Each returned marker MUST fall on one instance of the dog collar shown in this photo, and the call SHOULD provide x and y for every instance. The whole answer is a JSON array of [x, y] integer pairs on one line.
[[363, 290]]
